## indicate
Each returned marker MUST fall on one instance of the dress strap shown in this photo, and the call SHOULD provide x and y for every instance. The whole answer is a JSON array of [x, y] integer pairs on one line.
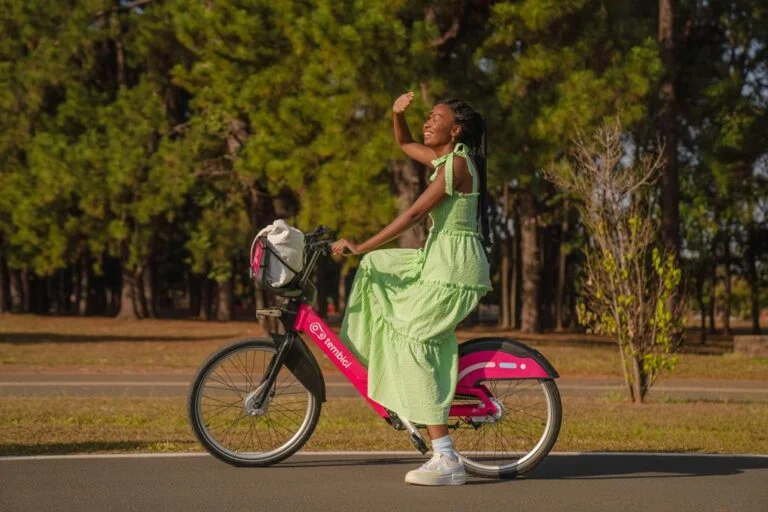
[[460, 149]]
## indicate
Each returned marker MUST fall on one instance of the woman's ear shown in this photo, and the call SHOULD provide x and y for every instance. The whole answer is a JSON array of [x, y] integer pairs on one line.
[[456, 131]]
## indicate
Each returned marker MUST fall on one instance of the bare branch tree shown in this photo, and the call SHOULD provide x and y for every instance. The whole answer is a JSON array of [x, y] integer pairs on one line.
[[631, 291]]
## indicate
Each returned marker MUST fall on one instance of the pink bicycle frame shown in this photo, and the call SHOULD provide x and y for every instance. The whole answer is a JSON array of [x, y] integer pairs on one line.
[[473, 368]]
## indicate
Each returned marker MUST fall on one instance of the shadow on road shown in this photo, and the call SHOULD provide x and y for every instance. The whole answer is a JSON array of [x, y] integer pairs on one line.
[[50, 337], [598, 466], [362, 461], [87, 447], [601, 466]]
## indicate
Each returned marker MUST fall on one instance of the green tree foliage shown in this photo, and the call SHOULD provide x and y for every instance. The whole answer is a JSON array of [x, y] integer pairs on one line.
[[724, 182], [562, 67], [163, 134]]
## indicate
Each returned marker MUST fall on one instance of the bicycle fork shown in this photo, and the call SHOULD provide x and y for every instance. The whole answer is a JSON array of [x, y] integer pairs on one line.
[[257, 401]]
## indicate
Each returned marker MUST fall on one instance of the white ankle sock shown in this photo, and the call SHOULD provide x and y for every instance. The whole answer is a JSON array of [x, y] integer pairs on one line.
[[444, 445]]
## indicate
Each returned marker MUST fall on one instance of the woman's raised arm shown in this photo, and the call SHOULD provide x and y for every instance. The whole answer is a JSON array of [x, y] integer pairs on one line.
[[418, 152]]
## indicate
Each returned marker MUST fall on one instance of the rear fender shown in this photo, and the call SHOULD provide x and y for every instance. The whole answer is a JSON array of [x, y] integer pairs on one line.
[[500, 358]]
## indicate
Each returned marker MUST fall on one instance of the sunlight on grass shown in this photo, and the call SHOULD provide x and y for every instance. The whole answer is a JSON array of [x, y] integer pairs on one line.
[[101, 424], [30, 343]]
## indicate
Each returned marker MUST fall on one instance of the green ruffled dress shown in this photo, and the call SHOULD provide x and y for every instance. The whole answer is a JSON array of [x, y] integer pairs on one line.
[[406, 303]]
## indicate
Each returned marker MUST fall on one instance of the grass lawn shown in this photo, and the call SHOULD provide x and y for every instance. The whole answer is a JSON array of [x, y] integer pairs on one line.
[[67, 424], [30, 343], [100, 424]]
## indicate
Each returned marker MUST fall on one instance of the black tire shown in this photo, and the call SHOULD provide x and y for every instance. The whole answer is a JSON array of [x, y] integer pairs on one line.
[[467, 437], [216, 447]]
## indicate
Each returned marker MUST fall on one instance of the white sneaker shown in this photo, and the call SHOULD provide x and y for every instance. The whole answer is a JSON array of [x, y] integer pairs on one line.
[[439, 470]]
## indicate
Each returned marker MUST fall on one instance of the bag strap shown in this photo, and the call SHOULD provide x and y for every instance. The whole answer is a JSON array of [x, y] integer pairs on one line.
[[276, 255]]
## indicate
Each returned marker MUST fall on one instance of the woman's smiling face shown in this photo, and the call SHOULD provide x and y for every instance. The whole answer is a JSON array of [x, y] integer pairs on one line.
[[438, 126]]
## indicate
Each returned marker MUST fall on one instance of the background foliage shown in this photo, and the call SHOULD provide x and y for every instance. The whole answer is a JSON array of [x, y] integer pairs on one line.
[[144, 143]]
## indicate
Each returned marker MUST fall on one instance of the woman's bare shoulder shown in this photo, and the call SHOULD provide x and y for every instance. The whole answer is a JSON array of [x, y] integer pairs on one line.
[[461, 175]]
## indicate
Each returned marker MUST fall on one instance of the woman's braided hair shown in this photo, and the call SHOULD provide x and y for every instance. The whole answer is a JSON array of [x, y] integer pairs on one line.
[[474, 133]]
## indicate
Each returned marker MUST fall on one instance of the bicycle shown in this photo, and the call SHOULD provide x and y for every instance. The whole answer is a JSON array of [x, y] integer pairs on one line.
[[257, 402]]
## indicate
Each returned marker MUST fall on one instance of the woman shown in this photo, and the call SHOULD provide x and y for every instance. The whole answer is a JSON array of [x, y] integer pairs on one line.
[[405, 303]]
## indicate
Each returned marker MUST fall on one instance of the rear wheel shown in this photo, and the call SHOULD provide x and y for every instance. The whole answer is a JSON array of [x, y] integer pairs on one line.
[[229, 428], [519, 437]]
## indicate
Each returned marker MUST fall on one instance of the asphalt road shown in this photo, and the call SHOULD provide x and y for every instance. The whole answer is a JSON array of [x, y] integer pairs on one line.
[[587, 482], [52, 384]]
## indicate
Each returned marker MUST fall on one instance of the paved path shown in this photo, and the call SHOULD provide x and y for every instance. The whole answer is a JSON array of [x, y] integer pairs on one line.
[[617, 482], [47, 384]]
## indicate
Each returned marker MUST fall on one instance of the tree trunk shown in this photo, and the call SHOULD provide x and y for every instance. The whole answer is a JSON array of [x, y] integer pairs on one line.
[[505, 249], [408, 182], [105, 299], [194, 287], [668, 128], [268, 323], [341, 289], [727, 299], [128, 292], [547, 285], [625, 371], [506, 317], [26, 278], [64, 280], [5, 284], [119, 51], [259, 302], [49, 285], [77, 272], [225, 303], [111, 301], [83, 278], [45, 295], [700, 299], [206, 302], [531, 265], [141, 303], [38, 294], [150, 297], [97, 301], [754, 279], [323, 286], [16, 290], [713, 298], [639, 386], [514, 285], [562, 270]]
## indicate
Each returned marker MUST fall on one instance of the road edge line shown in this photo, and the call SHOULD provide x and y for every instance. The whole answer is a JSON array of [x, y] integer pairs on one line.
[[10, 458]]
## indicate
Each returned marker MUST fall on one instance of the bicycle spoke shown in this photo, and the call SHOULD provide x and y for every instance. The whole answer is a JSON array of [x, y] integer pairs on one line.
[[224, 384], [222, 401], [232, 382]]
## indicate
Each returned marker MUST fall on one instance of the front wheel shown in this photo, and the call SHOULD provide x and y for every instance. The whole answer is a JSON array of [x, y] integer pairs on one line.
[[232, 430]]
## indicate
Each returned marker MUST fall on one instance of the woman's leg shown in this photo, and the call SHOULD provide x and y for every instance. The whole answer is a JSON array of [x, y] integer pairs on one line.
[[441, 440], [437, 431], [444, 468]]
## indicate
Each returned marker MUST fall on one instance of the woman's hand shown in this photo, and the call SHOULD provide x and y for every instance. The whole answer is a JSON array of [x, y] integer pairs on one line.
[[402, 103], [339, 246]]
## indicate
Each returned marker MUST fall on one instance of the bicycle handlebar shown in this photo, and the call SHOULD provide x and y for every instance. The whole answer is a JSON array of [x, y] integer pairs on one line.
[[318, 231]]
